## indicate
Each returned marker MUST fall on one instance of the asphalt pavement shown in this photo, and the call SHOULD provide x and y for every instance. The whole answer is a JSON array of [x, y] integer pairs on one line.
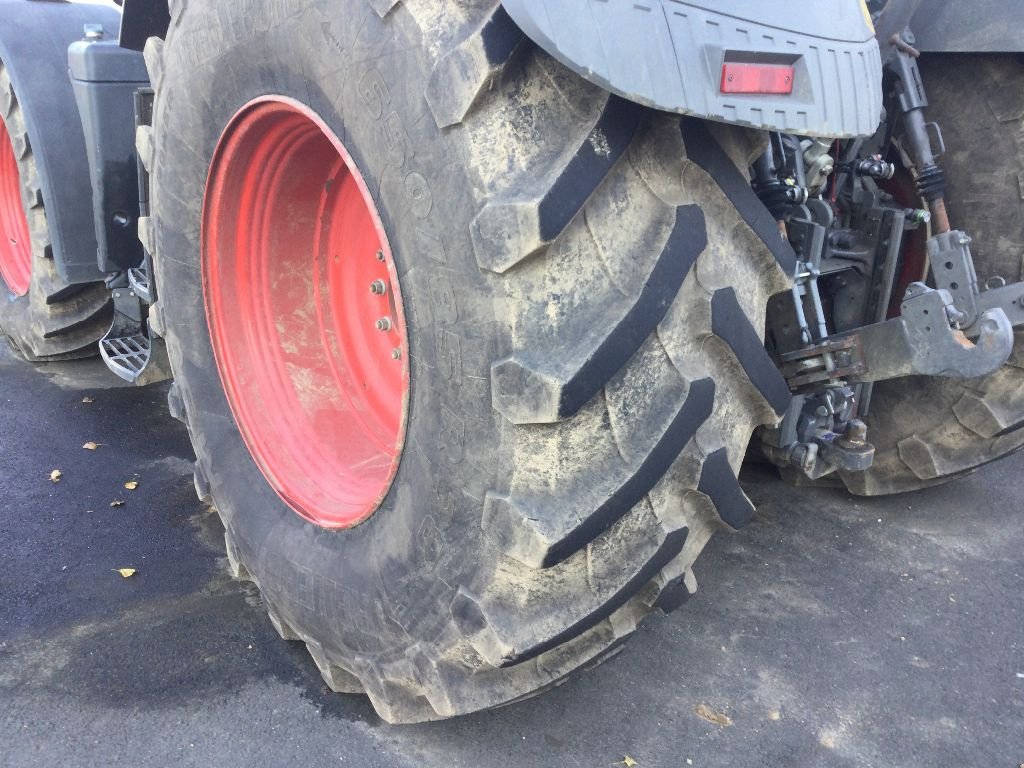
[[832, 631]]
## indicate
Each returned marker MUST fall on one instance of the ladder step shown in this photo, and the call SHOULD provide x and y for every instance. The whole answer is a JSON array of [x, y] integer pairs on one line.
[[138, 279], [126, 356]]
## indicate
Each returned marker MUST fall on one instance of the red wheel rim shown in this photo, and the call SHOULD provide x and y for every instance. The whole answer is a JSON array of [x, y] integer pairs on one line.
[[305, 313], [15, 244]]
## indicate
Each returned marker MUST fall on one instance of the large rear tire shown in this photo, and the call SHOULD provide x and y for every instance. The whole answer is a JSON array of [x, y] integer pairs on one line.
[[580, 300], [43, 316], [928, 430]]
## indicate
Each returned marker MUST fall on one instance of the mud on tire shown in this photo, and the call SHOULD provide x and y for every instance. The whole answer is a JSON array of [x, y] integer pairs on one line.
[[582, 280], [53, 319]]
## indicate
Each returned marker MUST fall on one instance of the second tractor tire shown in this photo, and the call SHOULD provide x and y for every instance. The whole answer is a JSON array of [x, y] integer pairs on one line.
[[928, 430], [43, 316]]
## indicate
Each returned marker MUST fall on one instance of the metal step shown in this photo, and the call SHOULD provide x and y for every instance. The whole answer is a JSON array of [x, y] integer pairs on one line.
[[126, 356], [138, 281], [128, 349]]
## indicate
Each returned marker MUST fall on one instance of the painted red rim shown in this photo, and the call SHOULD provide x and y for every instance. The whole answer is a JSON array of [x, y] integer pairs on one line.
[[305, 313], [15, 243]]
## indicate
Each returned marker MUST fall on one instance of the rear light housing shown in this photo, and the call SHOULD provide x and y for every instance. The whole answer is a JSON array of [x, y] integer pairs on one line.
[[749, 78]]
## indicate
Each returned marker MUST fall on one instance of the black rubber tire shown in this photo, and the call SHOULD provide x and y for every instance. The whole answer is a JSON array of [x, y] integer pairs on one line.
[[55, 320], [928, 430], [582, 396]]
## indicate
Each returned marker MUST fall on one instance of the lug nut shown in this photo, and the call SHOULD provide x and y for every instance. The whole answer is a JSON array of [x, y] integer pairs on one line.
[[396, 354], [378, 287], [380, 255], [384, 324]]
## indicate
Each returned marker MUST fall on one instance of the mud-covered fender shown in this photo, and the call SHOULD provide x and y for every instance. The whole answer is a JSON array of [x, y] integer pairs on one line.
[[668, 54], [34, 40]]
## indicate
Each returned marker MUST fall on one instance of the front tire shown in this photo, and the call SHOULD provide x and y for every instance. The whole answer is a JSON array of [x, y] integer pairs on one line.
[[580, 296], [43, 316]]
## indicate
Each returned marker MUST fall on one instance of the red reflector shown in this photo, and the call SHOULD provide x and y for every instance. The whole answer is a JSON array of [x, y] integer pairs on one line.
[[756, 78]]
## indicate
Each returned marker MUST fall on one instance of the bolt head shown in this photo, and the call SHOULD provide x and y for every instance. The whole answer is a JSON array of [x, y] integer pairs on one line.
[[856, 430], [380, 255], [396, 354], [384, 324], [378, 287]]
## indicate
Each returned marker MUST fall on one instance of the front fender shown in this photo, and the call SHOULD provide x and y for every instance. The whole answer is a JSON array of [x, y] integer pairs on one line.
[[668, 54], [34, 40]]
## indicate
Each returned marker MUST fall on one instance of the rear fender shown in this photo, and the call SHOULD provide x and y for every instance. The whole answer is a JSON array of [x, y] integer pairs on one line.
[[668, 54]]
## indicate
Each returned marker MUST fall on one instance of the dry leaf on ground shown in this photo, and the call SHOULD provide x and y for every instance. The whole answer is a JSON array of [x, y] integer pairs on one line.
[[718, 718], [87, 400], [628, 761], [91, 446], [117, 503], [55, 476], [131, 485], [125, 572]]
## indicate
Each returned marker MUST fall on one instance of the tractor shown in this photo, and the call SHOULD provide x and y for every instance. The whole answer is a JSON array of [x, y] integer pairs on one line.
[[473, 310]]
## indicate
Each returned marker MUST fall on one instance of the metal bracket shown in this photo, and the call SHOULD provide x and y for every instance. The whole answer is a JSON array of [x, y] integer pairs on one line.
[[850, 451], [921, 342], [949, 254], [831, 360], [1008, 298], [820, 435], [918, 342], [936, 131]]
